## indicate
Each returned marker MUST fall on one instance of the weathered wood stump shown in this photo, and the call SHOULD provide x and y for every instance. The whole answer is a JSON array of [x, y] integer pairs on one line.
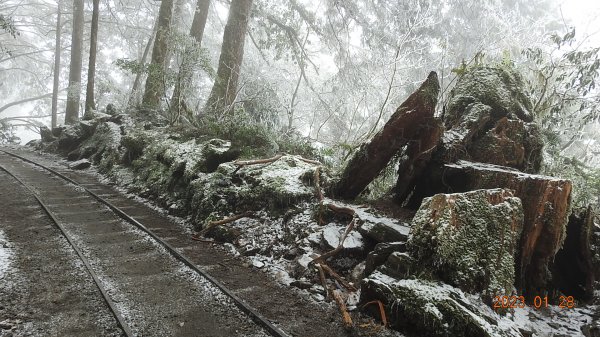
[[545, 201], [405, 125], [573, 269]]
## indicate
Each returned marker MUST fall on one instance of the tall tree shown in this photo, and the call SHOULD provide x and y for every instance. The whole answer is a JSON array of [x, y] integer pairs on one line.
[[186, 69], [56, 68], [89, 93], [72, 112], [155, 85], [134, 96], [224, 90]]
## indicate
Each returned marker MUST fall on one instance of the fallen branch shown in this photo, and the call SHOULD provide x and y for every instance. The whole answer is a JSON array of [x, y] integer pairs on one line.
[[214, 224], [340, 245], [381, 311], [323, 280], [336, 276], [314, 162], [257, 161], [342, 306]]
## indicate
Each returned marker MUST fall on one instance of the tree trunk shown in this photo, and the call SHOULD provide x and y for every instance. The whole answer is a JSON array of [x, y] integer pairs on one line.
[[403, 127], [56, 82], [74, 91], [133, 97], [224, 90], [184, 77], [155, 85], [546, 203], [89, 94]]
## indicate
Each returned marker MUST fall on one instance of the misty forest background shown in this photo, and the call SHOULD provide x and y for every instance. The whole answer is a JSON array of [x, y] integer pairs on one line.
[[312, 76]]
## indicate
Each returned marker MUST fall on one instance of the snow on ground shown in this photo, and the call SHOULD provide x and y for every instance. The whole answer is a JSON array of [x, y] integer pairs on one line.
[[6, 255]]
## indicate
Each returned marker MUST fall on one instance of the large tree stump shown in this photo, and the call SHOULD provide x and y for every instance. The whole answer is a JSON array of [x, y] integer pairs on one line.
[[546, 202], [418, 156], [404, 126]]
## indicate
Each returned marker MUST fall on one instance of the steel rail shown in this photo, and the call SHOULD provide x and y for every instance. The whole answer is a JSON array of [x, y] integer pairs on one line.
[[111, 304], [243, 306]]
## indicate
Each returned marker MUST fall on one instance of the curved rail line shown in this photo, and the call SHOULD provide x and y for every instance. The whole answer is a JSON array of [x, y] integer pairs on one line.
[[246, 308], [111, 304]]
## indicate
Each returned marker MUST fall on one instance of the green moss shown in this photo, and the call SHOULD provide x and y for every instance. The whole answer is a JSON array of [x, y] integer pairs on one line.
[[468, 241]]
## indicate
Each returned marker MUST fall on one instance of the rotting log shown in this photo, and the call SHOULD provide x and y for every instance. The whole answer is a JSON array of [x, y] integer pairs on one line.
[[573, 266], [401, 128], [546, 204]]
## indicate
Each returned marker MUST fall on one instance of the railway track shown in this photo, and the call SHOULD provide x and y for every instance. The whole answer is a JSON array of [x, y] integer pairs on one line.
[[148, 285]]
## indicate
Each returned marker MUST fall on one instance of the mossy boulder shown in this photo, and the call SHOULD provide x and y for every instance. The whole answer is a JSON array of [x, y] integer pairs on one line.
[[274, 186], [426, 308], [104, 146], [468, 240]]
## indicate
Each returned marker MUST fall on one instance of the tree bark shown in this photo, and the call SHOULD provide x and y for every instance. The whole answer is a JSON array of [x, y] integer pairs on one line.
[[89, 93], [186, 70], [155, 86], [404, 125], [74, 91], [56, 69], [224, 90]]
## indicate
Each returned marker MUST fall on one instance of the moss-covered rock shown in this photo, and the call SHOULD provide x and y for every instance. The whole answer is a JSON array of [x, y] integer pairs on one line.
[[469, 239], [426, 308], [273, 186]]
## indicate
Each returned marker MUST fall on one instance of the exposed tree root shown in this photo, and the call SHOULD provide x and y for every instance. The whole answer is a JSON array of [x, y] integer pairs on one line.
[[323, 280], [337, 277], [381, 311], [257, 161]]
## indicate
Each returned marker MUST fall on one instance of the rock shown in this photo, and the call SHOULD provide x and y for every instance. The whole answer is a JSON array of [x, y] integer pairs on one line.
[[546, 203], [398, 265], [80, 164], [404, 126], [104, 146], [383, 231], [468, 240], [275, 187], [358, 272], [331, 236], [425, 308], [70, 138], [46, 135], [301, 284], [380, 254]]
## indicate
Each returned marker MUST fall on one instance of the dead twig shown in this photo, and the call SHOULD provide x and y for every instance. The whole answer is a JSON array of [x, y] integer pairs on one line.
[[381, 311], [340, 245], [342, 306], [214, 224]]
